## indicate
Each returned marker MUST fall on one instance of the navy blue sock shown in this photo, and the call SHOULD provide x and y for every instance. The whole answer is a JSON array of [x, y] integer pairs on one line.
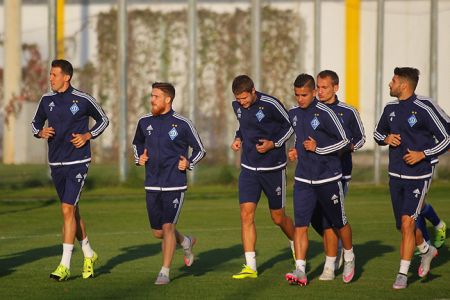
[[429, 213], [421, 224]]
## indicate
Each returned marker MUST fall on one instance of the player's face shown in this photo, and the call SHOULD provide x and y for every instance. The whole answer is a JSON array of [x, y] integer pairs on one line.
[[395, 86], [326, 90], [58, 80], [160, 102], [304, 96], [246, 99]]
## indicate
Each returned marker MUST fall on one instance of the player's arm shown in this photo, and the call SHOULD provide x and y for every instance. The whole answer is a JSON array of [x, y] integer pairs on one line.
[[382, 134], [358, 136], [439, 131], [139, 150], [198, 151], [97, 113], [37, 125], [335, 129], [286, 130]]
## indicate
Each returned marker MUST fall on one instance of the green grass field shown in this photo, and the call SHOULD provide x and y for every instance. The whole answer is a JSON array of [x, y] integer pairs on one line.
[[130, 257]]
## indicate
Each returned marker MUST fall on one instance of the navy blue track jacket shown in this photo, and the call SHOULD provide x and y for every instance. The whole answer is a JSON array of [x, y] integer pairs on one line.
[[267, 119], [68, 112], [354, 130], [166, 137], [419, 128], [319, 122]]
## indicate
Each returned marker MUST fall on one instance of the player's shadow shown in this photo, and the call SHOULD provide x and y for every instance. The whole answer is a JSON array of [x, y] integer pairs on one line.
[[441, 259], [10, 262], [286, 255], [210, 260], [363, 253], [129, 254], [41, 204]]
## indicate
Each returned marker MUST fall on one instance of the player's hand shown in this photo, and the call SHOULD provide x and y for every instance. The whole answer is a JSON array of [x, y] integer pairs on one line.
[[393, 140], [292, 154], [310, 144], [413, 157], [236, 145], [264, 146], [183, 163], [46, 133], [143, 158], [79, 140]]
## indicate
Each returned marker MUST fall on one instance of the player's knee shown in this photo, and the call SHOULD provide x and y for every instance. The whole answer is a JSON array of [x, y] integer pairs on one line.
[[68, 211], [157, 233], [278, 220]]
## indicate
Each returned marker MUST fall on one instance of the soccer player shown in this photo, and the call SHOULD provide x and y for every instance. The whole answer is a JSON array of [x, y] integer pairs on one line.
[[428, 211], [161, 144], [415, 135], [319, 138], [263, 130], [327, 87], [67, 111]]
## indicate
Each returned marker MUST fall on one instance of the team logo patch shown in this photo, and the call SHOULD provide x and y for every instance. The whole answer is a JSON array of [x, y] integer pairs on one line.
[[175, 203], [278, 191], [173, 133], [260, 115], [51, 105], [412, 120], [315, 123], [416, 193], [391, 116], [294, 121], [79, 177], [149, 129], [74, 108], [335, 199], [239, 113]]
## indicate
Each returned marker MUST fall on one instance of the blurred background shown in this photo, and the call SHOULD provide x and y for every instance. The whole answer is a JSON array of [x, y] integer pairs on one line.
[[119, 48]]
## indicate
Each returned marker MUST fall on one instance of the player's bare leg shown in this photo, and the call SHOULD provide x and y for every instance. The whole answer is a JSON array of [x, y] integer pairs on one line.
[[280, 218]]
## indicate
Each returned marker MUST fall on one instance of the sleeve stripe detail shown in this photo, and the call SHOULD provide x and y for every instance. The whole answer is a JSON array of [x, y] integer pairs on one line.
[[105, 120], [442, 144], [277, 105], [202, 151], [341, 144], [436, 106], [361, 142]]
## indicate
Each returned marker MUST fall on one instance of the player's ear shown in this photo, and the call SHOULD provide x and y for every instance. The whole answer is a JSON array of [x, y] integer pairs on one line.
[[336, 88]]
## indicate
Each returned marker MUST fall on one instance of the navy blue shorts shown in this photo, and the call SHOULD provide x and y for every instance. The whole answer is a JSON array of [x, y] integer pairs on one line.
[[163, 207], [319, 221], [407, 197], [273, 184], [69, 181], [330, 198]]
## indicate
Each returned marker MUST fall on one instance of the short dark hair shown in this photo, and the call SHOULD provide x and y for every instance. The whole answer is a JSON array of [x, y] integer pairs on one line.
[[166, 87], [410, 74], [328, 73], [64, 65], [241, 84], [305, 80]]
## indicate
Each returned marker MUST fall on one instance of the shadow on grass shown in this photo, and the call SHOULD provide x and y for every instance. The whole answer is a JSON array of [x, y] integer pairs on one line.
[[41, 204], [363, 254], [210, 260], [9, 263], [129, 254]]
